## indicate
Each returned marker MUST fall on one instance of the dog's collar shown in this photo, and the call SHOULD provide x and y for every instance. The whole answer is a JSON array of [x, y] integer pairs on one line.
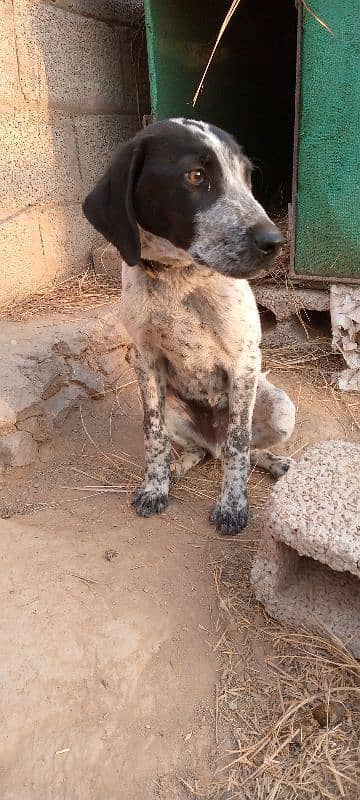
[[153, 268]]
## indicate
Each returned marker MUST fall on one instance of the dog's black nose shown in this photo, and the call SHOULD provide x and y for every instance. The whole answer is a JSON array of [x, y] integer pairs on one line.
[[266, 237]]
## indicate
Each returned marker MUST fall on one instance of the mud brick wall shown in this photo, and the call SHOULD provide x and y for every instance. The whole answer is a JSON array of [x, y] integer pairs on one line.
[[72, 86]]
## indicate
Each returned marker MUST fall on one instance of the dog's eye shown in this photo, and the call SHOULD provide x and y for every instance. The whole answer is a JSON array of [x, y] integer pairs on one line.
[[195, 177]]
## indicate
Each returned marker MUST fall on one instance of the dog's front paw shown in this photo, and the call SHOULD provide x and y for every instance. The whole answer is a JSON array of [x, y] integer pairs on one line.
[[150, 501], [230, 518]]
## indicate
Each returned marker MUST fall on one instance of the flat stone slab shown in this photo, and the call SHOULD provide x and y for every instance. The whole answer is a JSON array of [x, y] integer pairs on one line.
[[286, 303], [308, 565]]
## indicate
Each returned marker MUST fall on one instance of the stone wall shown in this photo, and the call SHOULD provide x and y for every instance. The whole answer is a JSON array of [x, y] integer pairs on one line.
[[72, 86]]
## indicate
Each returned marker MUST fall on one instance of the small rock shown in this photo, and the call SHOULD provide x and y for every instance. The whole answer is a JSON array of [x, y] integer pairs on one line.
[[46, 451], [19, 395], [111, 364], [91, 381], [57, 384], [110, 554], [329, 714], [17, 449], [40, 427], [43, 373], [7, 416], [31, 410], [59, 406], [307, 725]]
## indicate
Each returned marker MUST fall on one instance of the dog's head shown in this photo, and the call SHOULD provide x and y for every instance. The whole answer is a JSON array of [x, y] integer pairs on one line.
[[190, 184]]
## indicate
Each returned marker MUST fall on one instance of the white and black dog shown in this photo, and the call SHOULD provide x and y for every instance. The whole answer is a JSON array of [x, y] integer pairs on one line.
[[177, 203]]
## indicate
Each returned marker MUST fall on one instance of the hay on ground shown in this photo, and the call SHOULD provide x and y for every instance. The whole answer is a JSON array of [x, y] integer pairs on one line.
[[80, 293]]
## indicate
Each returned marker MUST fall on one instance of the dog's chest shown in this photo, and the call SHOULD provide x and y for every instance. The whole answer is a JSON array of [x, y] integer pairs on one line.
[[191, 337], [200, 329]]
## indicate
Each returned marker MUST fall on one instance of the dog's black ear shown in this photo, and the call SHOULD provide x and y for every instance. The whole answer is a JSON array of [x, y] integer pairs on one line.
[[109, 207]]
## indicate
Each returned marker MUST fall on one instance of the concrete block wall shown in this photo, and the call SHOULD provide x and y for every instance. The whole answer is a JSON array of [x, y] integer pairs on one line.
[[72, 86]]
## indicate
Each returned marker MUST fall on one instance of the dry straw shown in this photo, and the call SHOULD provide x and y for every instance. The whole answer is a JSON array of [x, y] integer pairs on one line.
[[287, 712], [80, 293]]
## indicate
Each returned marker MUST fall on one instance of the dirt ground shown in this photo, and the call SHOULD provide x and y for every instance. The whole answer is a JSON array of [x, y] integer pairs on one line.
[[118, 678]]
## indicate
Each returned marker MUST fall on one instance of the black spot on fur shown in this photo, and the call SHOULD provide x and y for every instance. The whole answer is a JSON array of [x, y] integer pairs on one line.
[[230, 519], [150, 502]]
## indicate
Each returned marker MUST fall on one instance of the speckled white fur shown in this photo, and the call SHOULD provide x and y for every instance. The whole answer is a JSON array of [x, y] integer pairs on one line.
[[197, 331]]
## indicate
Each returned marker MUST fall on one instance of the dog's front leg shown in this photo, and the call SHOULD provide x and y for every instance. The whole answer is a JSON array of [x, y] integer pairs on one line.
[[231, 512], [153, 493]]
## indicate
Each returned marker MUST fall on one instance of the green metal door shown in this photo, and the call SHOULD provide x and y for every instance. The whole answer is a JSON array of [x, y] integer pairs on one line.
[[328, 177]]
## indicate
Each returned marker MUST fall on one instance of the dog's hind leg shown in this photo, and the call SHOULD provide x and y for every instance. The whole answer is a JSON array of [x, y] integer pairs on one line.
[[182, 431], [190, 457], [276, 465], [273, 423]]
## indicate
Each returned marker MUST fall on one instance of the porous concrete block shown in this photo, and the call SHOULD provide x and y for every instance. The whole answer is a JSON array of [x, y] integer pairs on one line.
[[307, 568], [71, 62], [130, 89], [17, 449], [100, 134], [124, 11], [287, 332], [23, 266], [67, 239], [9, 81], [107, 262], [38, 159], [285, 303]]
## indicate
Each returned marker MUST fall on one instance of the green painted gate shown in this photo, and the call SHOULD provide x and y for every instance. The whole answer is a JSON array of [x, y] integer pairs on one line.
[[328, 177], [250, 90]]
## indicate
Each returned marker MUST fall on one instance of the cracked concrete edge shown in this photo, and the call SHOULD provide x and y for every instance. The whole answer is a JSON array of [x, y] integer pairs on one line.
[[286, 303]]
